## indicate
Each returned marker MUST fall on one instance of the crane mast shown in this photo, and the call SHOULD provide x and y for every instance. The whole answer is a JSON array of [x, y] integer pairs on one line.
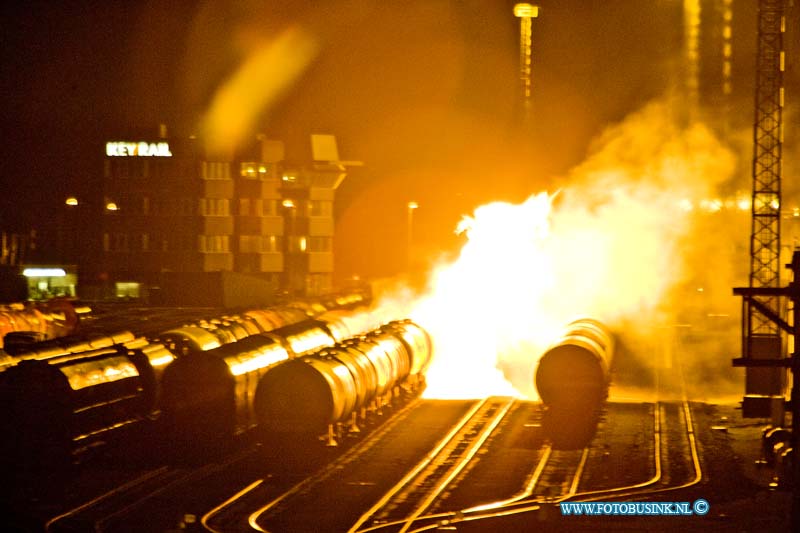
[[767, 162], [762, 313]]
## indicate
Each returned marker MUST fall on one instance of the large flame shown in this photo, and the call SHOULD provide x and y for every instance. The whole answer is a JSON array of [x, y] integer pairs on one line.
[[606, 246]]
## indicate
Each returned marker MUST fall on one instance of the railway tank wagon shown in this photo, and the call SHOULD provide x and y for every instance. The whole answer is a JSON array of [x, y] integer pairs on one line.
[[321, 392], [572, 379], [207, 396], [302, 338], [419, 344], [60, 408], [305, 396], [62, 346], [54, 318], [575, 369]]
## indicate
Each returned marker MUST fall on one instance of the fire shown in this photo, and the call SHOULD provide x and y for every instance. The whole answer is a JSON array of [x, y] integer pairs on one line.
[[469, 313], [606, 246], [525, 272]]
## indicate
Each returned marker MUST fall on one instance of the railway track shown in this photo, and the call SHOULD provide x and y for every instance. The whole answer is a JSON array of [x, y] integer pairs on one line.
[[416, 492], [421, 500], [557, 477], [108, 511], [261, 498], [644, 451]]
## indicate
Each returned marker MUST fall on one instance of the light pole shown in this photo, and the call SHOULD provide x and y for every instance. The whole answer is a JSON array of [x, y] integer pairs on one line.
[[525, 12], [411, 207]]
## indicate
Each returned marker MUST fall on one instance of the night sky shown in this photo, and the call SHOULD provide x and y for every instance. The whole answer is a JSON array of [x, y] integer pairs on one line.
[[423, 91]]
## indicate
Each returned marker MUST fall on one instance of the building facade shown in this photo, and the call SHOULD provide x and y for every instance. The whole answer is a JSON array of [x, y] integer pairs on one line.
[[181, 227]]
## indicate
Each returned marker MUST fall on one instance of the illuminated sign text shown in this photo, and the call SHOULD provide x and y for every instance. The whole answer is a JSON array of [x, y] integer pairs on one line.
[[138, 149]]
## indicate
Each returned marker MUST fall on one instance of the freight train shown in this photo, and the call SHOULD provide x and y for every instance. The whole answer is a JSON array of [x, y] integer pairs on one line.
[[199, 385]]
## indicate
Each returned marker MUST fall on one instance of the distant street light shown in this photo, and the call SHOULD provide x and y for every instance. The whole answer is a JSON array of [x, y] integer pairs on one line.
[[411, 207], [71, 201], [525, 12]]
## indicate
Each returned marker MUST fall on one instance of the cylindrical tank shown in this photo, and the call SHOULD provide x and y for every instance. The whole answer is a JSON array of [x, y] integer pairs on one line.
[[54, 318], [249, 324], [61, 347], [266, 319], [304, 395], [189, 339], [68, 404], [384, 371], [290, 315], [574, 371], [302, 338], [418, 343], [360, 368], [206, 397], [396, 351]]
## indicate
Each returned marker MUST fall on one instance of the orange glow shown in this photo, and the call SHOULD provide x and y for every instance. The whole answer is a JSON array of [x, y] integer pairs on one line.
[[611, 245], [260, 80], [526, 10]]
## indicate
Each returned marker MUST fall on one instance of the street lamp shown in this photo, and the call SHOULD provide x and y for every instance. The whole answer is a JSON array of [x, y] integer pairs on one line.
[[411, 207], [525, 12]]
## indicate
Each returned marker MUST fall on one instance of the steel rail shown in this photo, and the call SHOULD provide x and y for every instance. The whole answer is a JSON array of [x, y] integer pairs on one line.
[[462, 463], [616, 492], [206, 517], [253, 518], [418, 468], [502, 507], [113, 492]]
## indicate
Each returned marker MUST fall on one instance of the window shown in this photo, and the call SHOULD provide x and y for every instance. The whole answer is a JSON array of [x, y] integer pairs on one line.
[[297, 243], [249, 170], [244, 207], [115, 242], [145, 242], [255, 244], [214, 207], [274, 243], [215, 170], [320, 244], [213, 243], [320, 208]]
